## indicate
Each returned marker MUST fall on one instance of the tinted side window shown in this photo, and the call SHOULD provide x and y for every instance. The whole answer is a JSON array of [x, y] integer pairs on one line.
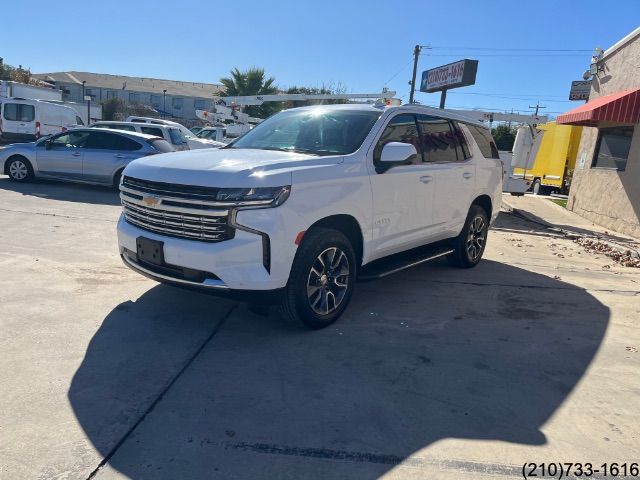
[[128, 128], [19, 112], [439, 140], [612, 149], [101, 140], [152, 131], [485, 142], [463, 145], [401, 128], [121, 142]]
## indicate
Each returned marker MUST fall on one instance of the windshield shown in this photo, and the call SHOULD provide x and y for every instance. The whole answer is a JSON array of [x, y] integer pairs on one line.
[[317, 131]]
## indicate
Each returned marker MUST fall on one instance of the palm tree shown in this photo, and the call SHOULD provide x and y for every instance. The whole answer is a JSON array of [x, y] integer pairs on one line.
[[252, 82]]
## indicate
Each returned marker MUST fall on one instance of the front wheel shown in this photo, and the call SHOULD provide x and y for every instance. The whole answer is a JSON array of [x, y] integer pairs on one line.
[[469, 245], [19, 169], [322, 279]]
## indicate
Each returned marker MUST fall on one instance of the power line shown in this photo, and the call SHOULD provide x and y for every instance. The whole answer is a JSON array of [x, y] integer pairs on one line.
[[545, 55], [399, 72], [514, 49]]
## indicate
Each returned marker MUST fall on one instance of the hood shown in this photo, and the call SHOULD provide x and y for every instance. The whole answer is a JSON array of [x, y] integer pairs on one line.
[[226, 167]]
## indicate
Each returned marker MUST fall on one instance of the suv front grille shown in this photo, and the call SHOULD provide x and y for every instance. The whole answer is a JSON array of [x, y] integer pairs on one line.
[[182, 211]]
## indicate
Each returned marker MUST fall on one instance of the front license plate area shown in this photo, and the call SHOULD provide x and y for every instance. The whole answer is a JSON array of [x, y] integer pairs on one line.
[[150, 251]]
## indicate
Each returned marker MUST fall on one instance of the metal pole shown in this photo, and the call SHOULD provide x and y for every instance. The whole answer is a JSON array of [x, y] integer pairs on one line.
[[443, 98], [88, 112], [83, 82], [164, 103], [416, 54]]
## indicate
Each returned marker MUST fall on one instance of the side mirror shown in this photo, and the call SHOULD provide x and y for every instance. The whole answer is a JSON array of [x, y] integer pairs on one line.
[[397, 152]]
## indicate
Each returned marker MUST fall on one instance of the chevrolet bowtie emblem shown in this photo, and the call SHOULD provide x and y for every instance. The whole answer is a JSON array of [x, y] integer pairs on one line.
[[151, 200]]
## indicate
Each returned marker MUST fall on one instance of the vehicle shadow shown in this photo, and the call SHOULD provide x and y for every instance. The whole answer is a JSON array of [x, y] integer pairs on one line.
[[63, 191], [431, 353]]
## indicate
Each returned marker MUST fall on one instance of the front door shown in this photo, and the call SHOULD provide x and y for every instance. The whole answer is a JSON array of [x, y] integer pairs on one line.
[[61, 155], [402, 194]]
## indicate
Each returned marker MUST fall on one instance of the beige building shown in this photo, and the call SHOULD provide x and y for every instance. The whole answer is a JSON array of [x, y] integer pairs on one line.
[[606, 182]]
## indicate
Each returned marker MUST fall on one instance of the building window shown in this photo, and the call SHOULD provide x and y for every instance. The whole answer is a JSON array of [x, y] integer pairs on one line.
[[156, 101], [612, 148], [198, 104], [177, 103], [89, 92], [111, 94], [134, 98]]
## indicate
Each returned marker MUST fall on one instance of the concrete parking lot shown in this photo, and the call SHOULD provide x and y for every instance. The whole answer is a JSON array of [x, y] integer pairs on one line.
[[432, 373]]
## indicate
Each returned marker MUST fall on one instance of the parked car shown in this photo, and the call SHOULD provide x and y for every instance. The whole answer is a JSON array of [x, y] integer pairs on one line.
[[212, 133], [173, 135], [311, 199], [195, 130], [85, 155], [25, 120], [192, 140]]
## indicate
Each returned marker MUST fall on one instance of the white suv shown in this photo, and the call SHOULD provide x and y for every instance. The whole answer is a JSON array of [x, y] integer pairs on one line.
[[310, 200]]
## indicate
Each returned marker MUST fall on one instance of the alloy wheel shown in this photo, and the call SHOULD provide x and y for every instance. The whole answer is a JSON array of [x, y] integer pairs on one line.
[[476, 238], [328, 281], [18, 170]]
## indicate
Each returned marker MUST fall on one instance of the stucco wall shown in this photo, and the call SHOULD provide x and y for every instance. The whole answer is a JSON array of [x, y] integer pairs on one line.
[[609, 197]]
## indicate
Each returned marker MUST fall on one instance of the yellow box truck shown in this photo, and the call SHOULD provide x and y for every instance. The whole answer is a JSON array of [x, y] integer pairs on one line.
[[553, 158]]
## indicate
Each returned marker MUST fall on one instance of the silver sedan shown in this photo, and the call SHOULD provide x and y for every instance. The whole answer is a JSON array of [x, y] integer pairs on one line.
[[82, 155]]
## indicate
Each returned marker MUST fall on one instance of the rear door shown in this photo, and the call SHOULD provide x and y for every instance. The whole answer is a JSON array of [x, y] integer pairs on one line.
[[105, 153], [18, 118], [446, 151], [61, 155]]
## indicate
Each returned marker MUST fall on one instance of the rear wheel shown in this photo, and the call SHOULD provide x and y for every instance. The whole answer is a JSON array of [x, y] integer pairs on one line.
[[19, 169], [322, 279], [469, 245], [535, 187]]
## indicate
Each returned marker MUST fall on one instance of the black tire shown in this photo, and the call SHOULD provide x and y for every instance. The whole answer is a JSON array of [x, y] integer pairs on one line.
[[536, 187], [19, 169], [333, 284], [470, 244], [116, 179]]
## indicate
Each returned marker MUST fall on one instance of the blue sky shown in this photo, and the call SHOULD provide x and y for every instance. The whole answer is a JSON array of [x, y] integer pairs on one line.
[[361, 45]]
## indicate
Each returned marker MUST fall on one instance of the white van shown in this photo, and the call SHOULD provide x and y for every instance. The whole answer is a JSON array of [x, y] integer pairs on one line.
[[25, 120], [171, 134], [193, 141]]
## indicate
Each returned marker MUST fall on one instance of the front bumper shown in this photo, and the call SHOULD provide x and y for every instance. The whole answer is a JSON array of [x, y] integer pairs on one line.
[[234, 264]]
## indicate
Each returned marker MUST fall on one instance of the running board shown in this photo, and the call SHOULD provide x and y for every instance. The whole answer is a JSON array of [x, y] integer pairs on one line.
[[401, 261]]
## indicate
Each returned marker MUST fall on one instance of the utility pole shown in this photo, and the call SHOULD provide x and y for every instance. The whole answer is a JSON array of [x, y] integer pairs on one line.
[[537, 107], [416, 54]]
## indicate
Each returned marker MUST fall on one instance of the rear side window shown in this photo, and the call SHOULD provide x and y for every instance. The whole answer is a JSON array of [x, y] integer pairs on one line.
[[161, 146], [79, 121], [485, 142], [177, 138], [101, 140], [152, 131], [441, 140], [121, 142], [401, 128], [19, 112], [128, 128]]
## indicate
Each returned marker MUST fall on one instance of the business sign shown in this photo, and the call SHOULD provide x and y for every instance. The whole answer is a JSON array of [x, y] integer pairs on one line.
[[580, 90], [452, 75]]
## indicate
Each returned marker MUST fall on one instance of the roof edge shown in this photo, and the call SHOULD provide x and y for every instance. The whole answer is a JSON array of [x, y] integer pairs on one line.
[[621, 43]]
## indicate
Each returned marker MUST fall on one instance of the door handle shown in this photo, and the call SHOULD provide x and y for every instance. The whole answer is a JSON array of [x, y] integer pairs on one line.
[[76, 154], [426, 178], [119, 155], [467, 175]]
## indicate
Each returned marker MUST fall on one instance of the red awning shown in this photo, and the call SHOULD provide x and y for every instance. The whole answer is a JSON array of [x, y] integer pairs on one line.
[[621, 107]]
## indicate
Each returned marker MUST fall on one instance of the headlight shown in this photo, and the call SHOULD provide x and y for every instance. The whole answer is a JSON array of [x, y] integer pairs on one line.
[[266, 196]]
